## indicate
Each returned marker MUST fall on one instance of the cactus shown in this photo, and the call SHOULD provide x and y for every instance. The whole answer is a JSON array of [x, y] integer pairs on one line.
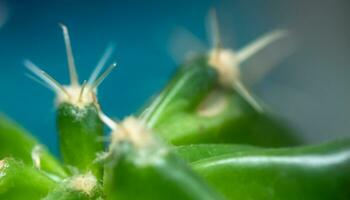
[[204, 137]]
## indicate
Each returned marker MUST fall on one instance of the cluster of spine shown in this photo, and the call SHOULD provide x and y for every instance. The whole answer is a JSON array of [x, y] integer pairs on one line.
[[204, 137]]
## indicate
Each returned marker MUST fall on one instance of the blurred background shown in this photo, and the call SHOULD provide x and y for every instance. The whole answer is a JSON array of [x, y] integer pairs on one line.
[[309, 89]]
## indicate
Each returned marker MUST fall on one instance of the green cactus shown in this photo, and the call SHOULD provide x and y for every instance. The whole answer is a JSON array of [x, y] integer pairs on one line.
[[204, 137]]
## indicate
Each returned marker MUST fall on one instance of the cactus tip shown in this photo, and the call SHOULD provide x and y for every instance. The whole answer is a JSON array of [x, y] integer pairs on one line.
[[76, 94], [131, 129], [135, 132]]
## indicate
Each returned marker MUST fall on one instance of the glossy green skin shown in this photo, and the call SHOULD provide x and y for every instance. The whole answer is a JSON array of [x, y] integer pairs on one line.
[[19, 181], [80, 132], [64, 194], [196, 152], [184, 92], [166, 177], [173, 114], [17, 142], [317, 172]]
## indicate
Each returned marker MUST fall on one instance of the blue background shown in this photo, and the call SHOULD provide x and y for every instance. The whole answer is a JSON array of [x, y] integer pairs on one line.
[[309, 89]]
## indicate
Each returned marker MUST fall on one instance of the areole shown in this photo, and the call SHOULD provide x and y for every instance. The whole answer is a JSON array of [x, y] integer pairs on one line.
[[76, 93]]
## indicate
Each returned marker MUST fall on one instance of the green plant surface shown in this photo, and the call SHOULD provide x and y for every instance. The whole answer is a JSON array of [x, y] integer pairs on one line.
[[190, 84], [140, 168], [80, 134], [19, 181], [196, 152], [18, 143], [195, 108], [204, 137], [313, 172]]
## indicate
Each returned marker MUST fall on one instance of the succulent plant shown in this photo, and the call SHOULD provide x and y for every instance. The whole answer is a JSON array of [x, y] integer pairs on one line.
[[205, 136]]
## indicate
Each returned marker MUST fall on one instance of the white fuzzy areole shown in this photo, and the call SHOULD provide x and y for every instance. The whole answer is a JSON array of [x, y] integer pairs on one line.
[[84, 183], [76, 96], [135, 131], [149, 150], [225, 62]]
